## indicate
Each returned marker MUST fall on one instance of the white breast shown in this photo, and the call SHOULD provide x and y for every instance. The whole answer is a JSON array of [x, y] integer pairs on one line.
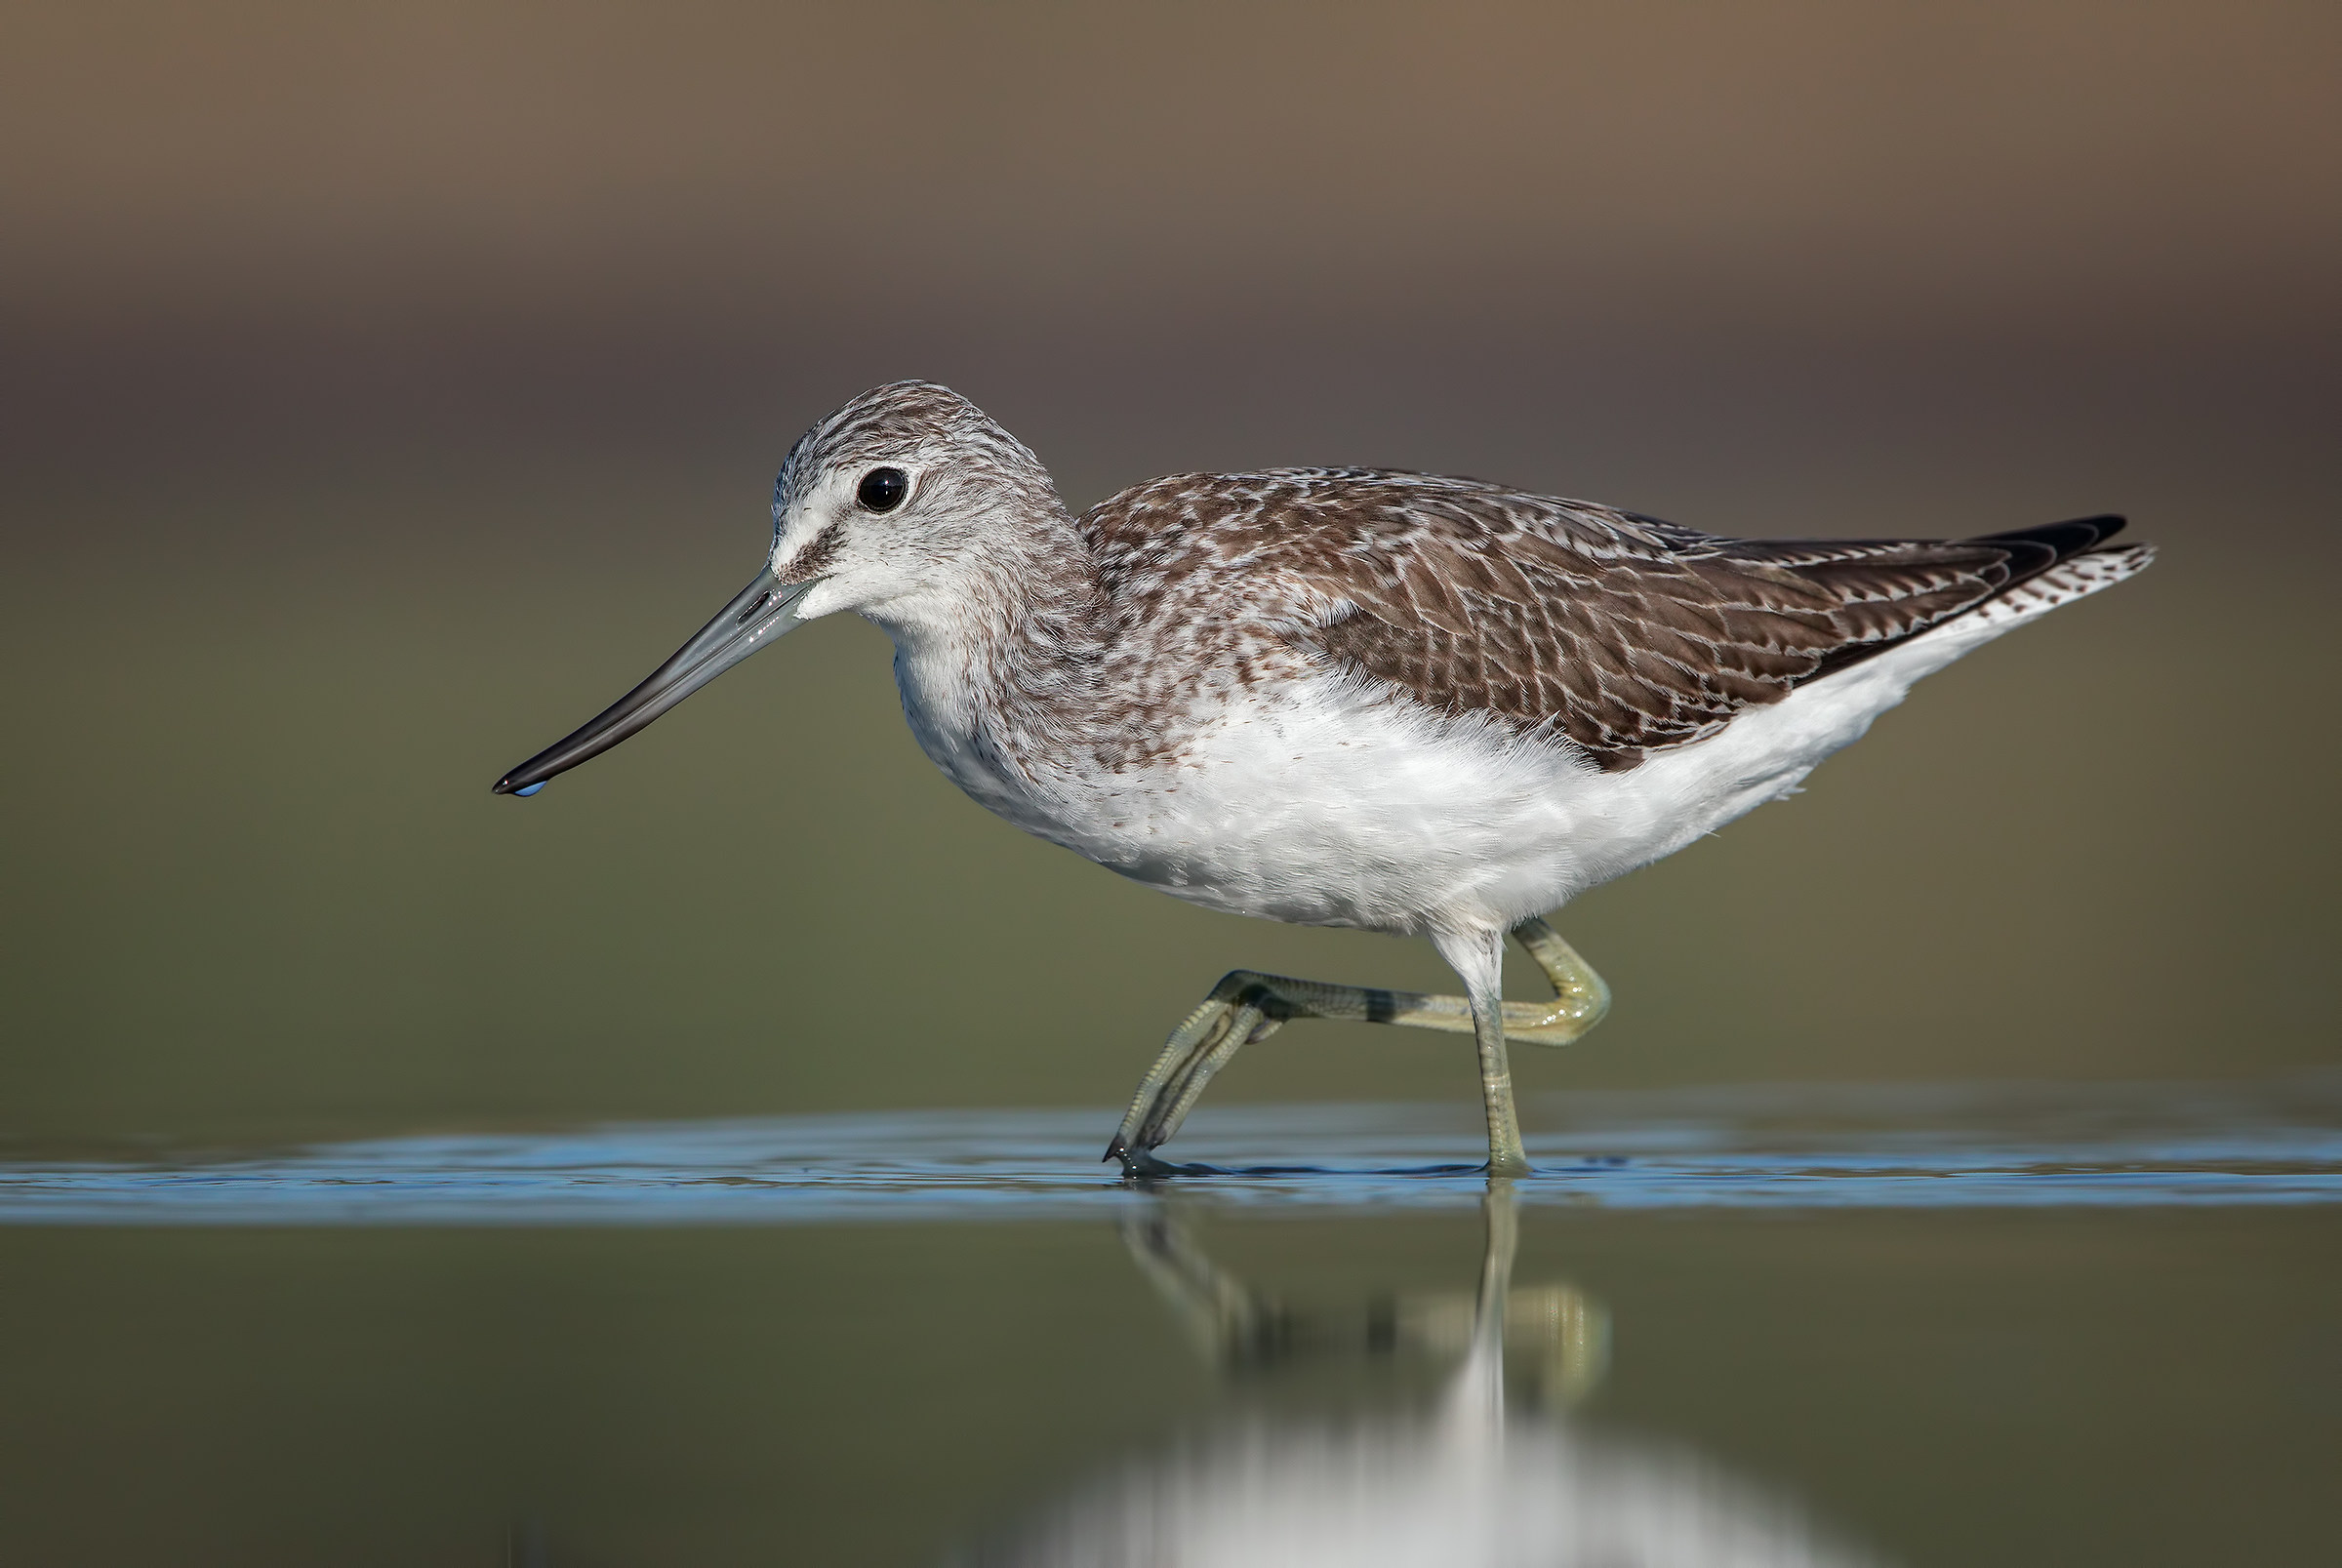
[[1324, 801]]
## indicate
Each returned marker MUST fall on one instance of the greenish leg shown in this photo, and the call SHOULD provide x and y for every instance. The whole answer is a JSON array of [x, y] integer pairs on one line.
[[1247, 1006], [1478, 960], [1580, 995]]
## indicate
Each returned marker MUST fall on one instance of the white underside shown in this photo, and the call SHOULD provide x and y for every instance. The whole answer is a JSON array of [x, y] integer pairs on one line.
[[1326, 802]]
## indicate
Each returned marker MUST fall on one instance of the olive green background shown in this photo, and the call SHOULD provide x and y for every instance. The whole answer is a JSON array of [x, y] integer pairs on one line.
[[385, 389], [2052, 1388]]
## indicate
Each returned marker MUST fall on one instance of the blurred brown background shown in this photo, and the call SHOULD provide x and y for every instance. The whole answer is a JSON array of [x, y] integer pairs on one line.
[[384, 390]]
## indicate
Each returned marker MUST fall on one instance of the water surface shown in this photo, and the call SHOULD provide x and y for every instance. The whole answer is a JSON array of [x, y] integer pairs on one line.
[[1795, 1147], [1793, 1326]]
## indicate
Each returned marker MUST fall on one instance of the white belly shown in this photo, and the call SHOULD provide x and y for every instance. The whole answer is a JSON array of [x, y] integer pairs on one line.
[[1318, 802]]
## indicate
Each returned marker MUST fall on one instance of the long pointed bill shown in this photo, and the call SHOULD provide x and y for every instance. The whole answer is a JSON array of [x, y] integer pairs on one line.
[[755, 619]]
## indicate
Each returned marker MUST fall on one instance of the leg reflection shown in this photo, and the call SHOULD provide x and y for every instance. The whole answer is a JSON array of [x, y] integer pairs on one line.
[[1230, 1324], [1554, 1337], [1469, 1482]]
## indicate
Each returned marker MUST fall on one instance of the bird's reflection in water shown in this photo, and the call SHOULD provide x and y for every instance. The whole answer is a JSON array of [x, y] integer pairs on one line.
[[1465, 1481]]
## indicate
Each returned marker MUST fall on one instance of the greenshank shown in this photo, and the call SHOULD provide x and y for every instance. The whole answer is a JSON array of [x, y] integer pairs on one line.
[[1347, 696]]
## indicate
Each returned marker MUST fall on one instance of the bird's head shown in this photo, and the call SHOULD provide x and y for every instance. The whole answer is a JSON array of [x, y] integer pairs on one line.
[[903, 491], [892, 506]]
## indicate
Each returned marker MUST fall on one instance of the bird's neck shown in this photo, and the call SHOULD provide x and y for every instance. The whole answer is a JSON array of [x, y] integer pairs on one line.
[[996, 674]]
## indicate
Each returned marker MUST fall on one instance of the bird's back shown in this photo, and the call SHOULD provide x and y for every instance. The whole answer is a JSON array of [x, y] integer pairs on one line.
[[1626, 635]]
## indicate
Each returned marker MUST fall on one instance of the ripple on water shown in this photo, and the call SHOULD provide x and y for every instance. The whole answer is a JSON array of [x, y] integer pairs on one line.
[[1772, 1147]]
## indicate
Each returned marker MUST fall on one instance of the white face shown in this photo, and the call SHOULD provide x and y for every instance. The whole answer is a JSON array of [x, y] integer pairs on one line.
[[898, 530], [901, 501], [867, 531]]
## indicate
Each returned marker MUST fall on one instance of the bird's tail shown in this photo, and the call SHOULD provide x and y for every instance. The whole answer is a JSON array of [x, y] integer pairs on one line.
[[2066, 561]]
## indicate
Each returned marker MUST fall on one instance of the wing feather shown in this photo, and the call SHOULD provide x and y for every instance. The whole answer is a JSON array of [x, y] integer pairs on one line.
[[1625, 633]]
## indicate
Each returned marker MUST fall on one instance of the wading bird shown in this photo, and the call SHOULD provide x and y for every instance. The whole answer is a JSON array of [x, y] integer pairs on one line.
[[1347, 696]]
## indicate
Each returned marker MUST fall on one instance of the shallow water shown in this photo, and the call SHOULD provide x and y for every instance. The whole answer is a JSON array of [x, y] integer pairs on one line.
[[1924, 1147], [2008, 1324]]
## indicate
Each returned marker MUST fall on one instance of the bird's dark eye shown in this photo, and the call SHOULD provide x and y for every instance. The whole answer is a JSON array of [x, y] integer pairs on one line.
[[883, 489]]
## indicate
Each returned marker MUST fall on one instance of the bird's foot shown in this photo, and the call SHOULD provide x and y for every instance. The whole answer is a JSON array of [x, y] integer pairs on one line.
[[1141, 1164]]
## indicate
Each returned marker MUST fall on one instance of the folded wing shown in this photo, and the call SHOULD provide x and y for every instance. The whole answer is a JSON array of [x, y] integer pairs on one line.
[[1625, 633]]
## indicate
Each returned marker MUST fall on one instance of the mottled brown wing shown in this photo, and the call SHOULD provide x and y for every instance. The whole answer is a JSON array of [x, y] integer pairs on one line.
[[1624, 633]]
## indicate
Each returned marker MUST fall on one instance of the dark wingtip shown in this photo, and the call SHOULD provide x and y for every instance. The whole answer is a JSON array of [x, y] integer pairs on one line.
[[2065, 538]]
